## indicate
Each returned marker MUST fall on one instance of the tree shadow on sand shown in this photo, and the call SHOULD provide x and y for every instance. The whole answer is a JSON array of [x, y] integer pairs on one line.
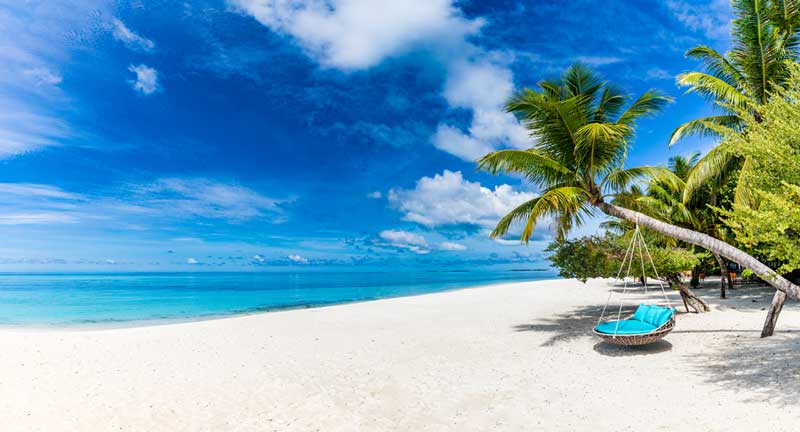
[[579, 322], [768, 368], [569, 325]]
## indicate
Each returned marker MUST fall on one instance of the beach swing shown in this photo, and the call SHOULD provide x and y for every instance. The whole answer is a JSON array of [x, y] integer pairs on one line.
[[649, 323]]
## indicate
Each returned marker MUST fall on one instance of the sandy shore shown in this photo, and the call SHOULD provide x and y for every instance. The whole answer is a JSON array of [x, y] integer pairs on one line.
[[515, 357]]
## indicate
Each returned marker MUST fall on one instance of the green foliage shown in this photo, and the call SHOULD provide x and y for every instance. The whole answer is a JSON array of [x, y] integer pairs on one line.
[[770, 223], [764, 38], [602, 256], [582, 127], [765, 41]]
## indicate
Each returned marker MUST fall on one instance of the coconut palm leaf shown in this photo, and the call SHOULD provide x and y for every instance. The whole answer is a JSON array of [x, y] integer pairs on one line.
[[534, 164], [716, 162], [648, 104], [620, 179], [712, 126], [717, 65], [715, 89], [555, 202]]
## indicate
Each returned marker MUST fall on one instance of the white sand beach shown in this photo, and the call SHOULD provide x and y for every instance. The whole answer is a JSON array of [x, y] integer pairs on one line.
[[513, 357]]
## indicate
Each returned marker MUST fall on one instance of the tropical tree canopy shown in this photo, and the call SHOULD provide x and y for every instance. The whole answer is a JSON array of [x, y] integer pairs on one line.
[[581, 127], [602, 256], [764, 37], [771, 228], [765, 40]]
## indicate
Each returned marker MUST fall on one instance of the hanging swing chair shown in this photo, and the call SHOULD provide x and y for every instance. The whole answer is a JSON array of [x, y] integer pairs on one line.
[[649, 323]]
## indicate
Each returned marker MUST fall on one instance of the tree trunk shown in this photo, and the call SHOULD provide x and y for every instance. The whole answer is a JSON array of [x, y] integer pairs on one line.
[[688, 296], [722, 274], [772, 316], [715, 246], [728, 276]]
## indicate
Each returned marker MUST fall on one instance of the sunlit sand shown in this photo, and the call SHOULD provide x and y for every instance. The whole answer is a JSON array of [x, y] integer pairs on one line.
[[506, 357]]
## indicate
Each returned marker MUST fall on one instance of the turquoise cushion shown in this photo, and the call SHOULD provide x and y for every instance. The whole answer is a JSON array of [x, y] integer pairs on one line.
[[626, 327], [641, 313], [653, 315]]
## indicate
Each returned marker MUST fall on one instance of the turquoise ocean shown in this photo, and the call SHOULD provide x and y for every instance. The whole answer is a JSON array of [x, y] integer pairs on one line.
[[121, 299]]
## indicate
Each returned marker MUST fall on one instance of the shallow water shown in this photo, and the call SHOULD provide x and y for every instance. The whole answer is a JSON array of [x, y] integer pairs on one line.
[[126, 298]]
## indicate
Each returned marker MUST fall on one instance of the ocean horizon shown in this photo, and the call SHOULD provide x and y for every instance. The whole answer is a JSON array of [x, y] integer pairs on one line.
[[91, 299]]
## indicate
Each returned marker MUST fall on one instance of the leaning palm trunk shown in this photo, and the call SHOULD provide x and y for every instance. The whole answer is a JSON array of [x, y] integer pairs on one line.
[[784, 287]]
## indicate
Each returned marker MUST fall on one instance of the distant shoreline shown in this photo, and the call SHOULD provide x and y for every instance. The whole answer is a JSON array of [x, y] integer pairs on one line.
[[257, 310]]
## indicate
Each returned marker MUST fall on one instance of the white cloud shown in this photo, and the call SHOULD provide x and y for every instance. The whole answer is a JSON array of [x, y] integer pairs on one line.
[[36, 190], [259, 258], [506, 242], [405, 240], [375, 195], [146, 79], [23, 131], [474, 85], [38, 35], [44, 76], [297, 259], [131, 40], [459, 144], [659, 74], [358, 34], [482, 87], [451, 246], [204, 198], [170, 199], [397, 236], [192, 261], [449, 199], [49, 218], [599, 60], [710, 18]]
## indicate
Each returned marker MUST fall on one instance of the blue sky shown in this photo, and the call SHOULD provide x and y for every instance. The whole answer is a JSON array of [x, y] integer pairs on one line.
[[256, 134]]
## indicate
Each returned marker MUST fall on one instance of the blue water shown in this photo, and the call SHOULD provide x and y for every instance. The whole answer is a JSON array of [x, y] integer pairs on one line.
[[130, 298]]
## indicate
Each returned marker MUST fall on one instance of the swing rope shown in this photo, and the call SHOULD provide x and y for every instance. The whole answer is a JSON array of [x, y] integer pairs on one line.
[[637, 240], [628, 251]]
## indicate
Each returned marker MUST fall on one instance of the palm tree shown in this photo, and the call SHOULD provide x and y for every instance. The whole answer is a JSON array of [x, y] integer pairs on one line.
[[765, 36], [663, 200], [764, 39], [581, 128]]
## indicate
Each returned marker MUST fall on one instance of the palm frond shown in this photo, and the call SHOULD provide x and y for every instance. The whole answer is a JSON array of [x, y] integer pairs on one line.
[[785, 16], [579, 79], [611, 103], [712, 126], [709, 167], [715, 89], [620, 179], [648, 104], [598, 144], [534, 164], [717, 65], [759, 48], [555, 202]]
